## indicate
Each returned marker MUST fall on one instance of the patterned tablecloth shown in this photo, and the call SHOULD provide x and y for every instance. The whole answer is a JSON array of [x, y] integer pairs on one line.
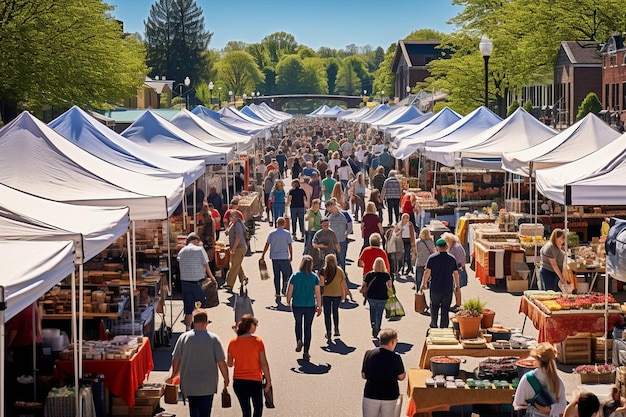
[[555, 328]]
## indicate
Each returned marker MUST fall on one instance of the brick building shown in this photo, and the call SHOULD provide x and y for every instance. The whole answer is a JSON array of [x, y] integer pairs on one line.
[[613, 95], [410, 63]]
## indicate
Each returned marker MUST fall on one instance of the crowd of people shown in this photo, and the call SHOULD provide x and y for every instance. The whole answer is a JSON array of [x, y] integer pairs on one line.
[[324, 186]]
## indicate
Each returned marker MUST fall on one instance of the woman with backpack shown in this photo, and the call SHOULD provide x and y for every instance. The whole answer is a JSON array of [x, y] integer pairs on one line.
[[541, 392]]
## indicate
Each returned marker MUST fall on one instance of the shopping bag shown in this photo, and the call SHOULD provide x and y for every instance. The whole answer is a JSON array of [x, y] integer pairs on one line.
[[243, 304], [222, 258], [420, 302], [211, 297], [226, 400], [393, 307], [269, 395], [265, 275]]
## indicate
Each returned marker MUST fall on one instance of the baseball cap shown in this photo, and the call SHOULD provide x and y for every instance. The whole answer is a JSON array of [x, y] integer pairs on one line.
[[441, 242]]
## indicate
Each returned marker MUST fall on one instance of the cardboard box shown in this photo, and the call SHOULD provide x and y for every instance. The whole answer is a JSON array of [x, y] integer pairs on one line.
[[516, 285]]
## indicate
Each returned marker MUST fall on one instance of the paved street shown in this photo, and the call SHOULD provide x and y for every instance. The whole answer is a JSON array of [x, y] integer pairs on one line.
[[331, 383]]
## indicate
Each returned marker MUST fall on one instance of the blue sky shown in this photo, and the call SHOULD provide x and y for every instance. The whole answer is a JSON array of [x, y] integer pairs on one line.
[[313, 23]]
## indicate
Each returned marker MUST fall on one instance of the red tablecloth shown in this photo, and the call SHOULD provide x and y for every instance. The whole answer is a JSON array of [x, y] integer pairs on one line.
[[555, 328], [122, 377]]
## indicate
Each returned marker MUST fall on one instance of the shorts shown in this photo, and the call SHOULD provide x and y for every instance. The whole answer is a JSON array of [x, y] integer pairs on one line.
[[192, 292]]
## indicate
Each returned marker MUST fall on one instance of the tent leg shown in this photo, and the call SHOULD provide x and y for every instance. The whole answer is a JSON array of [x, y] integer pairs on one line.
[[3, 307]]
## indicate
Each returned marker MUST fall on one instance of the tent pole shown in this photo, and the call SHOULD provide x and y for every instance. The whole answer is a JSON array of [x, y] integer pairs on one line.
[[131, 275], [74, 325], [169, 272], [606, 313], [195, 204], [3, 307], [79, 342]]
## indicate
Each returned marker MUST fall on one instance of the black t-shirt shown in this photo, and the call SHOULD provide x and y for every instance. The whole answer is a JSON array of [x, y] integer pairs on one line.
[[381, 368], [378, 289], [442, 265], [297, 197]]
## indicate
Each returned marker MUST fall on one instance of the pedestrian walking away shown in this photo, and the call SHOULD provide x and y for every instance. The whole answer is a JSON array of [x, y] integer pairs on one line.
[[246, 353], [443, 273], [375, 288], [196, 358], [335, 289], [279, 243]]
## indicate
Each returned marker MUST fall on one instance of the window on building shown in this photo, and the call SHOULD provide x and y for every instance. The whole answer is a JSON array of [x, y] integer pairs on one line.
[[615, 96], [624, 59]]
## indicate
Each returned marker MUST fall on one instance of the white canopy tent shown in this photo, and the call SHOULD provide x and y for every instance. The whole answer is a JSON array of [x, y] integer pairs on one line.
[[263, 109], [399, 114], [94, 137], [320, 110], [408, 144], [159, 135], [217, 125], [232, 116], [484, 149], [555, 182], [37, 160], [354, 115], [377, 112], [582, 138], [210, 131]]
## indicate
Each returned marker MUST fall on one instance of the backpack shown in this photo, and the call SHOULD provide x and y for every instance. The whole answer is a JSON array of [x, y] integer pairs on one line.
[[542, 397]]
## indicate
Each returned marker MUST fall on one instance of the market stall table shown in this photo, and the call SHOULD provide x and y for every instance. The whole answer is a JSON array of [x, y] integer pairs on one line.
[[492, 264], [424, 400], [250, 205], [556, 327], [429, 351], [584, 270], [121, 377]]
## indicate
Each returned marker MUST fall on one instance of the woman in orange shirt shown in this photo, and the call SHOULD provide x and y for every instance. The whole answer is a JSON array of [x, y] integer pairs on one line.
[[246, 353]]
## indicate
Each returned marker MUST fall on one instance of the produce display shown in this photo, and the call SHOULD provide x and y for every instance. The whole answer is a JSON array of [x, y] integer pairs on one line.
[[497, 369], [551, 302], [120, 348]]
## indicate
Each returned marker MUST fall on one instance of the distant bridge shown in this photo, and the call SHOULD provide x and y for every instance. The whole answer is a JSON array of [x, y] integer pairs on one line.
[[278, 101]]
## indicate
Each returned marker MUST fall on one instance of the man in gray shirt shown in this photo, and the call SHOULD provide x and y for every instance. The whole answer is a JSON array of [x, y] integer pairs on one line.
[[339, 225], [197, 356], [324, 243]]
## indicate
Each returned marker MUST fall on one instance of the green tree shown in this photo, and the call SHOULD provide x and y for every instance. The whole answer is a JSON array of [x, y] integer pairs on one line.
[[289, 73], [306, 52], [326, 52], [64, 52], [270, 81], [313, 79], [259, 53], [512, 107], [528, 106], [348, 82], [232, 46], [176, 39], [425, 35], [384, 79], [591, 104], [279, 44], [237, 72], [332, 68]]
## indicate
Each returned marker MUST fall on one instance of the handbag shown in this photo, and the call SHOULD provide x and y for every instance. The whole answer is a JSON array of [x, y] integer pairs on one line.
[[222, 258], [226, 400], [365, 287], [420, 302], [269, 394], [243, 304], [393, 307], [263, 269], [211, 297]]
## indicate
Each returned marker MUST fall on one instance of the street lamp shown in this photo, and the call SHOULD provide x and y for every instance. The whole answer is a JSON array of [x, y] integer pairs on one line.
[[219, 97], [486, 46], [252, 97], [244, 96], [408, 90], [186, 83], [382, 95], [232, 96], [211, 85]]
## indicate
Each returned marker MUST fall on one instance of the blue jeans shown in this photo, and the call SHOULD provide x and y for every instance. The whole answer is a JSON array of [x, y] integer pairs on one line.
[[200, 406], [393, 207], [308, 240], [304, 322], [297, 215], [331, 305], [341, 256], [549, 279], [376, 311], [278, 210], [440, 302], [281, 267], [419, 273]]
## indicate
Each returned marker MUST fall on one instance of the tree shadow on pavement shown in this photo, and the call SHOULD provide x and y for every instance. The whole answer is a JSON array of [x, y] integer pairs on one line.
[[307, 367], [337, 346]]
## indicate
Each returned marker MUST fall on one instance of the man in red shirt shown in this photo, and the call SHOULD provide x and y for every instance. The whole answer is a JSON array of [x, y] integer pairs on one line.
[[370, 253], [408, 204]]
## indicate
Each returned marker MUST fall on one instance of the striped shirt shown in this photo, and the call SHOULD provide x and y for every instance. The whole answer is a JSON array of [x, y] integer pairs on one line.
[[191, 260], [391, 189]]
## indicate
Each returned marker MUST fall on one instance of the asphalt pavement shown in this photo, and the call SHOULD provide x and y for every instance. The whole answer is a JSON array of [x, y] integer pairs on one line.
[[330, 384]]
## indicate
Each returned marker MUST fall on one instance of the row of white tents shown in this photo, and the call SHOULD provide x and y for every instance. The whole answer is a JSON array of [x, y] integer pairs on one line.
[[71, 188]]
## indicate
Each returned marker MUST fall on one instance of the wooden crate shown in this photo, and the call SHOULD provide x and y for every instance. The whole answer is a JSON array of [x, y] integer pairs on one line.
[[597, 347], [575, 349], [516, 285]]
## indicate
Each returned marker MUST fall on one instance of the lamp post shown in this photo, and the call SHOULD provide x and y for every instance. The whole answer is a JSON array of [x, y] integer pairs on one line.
[[382, 97], [219, 97], [231, 97], [244, 96], [252, 97], [408, 90], [486, 46], [186, 83], [211, 85]]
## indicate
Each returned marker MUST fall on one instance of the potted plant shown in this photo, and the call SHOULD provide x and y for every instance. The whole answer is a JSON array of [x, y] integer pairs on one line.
[[596, 374], [488, 318], [469, 318]]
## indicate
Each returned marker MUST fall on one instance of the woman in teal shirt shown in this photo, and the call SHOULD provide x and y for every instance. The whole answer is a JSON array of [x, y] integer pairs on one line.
[[305, 298], [278, 198]]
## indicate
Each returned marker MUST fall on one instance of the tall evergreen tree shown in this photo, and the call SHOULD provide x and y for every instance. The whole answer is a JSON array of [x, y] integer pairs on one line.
[[176, 40]]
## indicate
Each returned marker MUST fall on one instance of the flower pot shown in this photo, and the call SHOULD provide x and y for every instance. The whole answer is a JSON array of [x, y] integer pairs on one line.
[[469, 327], [593, 378], [488, 317]]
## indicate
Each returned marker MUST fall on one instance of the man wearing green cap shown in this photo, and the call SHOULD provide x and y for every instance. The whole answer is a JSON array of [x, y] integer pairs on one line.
[[442, 270]]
